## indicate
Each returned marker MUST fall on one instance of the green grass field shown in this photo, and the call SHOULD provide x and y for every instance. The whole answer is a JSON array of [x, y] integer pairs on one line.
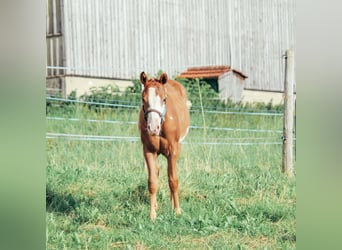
[[232, 196]]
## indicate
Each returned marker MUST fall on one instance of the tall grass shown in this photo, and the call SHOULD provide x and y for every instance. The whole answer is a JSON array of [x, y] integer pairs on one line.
[[232, 196]]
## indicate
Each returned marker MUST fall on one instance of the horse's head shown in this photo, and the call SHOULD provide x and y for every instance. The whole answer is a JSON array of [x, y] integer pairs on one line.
[[154, 102]]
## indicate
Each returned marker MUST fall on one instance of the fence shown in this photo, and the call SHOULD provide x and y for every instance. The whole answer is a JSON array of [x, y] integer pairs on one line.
[[261, 139], [288, 115]]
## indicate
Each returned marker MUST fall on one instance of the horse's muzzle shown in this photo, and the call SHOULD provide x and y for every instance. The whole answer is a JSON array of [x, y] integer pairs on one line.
[[153, 130], [154, 120]]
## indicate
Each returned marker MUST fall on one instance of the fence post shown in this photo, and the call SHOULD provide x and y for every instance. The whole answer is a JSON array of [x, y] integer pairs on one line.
[[288, 115]]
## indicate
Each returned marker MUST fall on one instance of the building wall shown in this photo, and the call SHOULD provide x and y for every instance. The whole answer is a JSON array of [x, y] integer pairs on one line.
[[55, 86], [121, 38], [230, 87], [83, 85], [55, 57], [263, 31], [253, 96]]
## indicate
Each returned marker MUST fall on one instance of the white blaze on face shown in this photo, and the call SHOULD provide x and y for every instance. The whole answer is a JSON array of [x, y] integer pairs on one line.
[[153, 118]]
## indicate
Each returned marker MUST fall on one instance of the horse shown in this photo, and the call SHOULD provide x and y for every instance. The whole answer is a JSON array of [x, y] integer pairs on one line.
[[164, 121]]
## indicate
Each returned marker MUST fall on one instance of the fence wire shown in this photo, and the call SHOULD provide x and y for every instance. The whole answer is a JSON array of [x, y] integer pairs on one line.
[[191, 126], [209, 141], [102, 138], [137, 106]]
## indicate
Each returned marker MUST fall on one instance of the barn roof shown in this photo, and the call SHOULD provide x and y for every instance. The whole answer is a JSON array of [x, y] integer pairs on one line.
[[209, 72]]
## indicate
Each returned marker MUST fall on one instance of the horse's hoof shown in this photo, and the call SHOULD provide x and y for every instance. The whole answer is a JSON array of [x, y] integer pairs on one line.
[[153, 216]]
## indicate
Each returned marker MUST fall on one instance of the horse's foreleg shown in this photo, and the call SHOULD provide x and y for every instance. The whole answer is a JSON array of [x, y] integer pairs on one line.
[[153, 170], [173, 178]]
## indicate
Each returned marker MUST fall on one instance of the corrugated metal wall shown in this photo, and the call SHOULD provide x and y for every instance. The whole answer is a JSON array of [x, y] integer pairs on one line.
[[119, 39], [262, 31], [54, 38]]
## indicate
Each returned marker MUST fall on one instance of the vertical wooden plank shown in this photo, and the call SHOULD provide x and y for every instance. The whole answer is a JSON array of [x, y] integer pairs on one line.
[[49, 17], [99, 65], [48, 57], [59, 49], [69, 38], [79, 63], [81, 43], [230, 34], [161, 52], [51, 62], [111, 33], [56, 51], [103, 49], [136, 38], [58, 17], [48, 38], [97, 38], [63, 44], [134, 68], [288, 115], [64, 22], [54, 17], [241, 30], [53, 38], [108, 54], [130, 51]]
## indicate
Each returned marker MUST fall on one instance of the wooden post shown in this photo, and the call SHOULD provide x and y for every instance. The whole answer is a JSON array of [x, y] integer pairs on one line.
[[288, 115]]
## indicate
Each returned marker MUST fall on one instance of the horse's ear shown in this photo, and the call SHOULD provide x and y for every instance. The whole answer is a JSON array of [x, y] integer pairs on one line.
[[143, 77], [163, 78]]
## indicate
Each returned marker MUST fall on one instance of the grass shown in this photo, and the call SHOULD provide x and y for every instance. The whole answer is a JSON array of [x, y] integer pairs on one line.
[[232, 196]]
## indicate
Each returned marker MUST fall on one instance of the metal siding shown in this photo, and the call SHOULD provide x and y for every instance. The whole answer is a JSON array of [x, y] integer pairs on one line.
[[119, 39], [268, 32], [66, 35]]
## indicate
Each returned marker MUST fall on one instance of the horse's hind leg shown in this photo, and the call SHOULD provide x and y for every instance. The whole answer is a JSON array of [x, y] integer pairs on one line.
[[153, 170]]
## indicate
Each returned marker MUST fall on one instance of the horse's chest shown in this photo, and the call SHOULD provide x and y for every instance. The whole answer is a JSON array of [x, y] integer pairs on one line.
[[152, 144], [158, 144]]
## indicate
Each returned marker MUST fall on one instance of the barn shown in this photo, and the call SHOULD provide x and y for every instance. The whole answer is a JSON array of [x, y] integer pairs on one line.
[[94, 43]]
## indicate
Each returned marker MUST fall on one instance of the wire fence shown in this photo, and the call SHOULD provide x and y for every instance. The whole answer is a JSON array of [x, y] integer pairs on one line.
[[249, 140], [117, 104], [102, 138], [191, 126]]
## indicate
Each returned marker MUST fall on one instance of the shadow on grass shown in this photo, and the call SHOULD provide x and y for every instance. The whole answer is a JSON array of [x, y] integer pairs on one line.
[[139, 194], [60, 203], [67, 203]]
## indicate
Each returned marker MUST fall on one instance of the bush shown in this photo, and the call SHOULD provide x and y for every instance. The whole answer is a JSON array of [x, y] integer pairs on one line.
[[197, 89], [58, 105], [110, 94]]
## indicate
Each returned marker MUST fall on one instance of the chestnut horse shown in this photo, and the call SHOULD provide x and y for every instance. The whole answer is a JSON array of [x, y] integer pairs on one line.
[[163, 123]]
